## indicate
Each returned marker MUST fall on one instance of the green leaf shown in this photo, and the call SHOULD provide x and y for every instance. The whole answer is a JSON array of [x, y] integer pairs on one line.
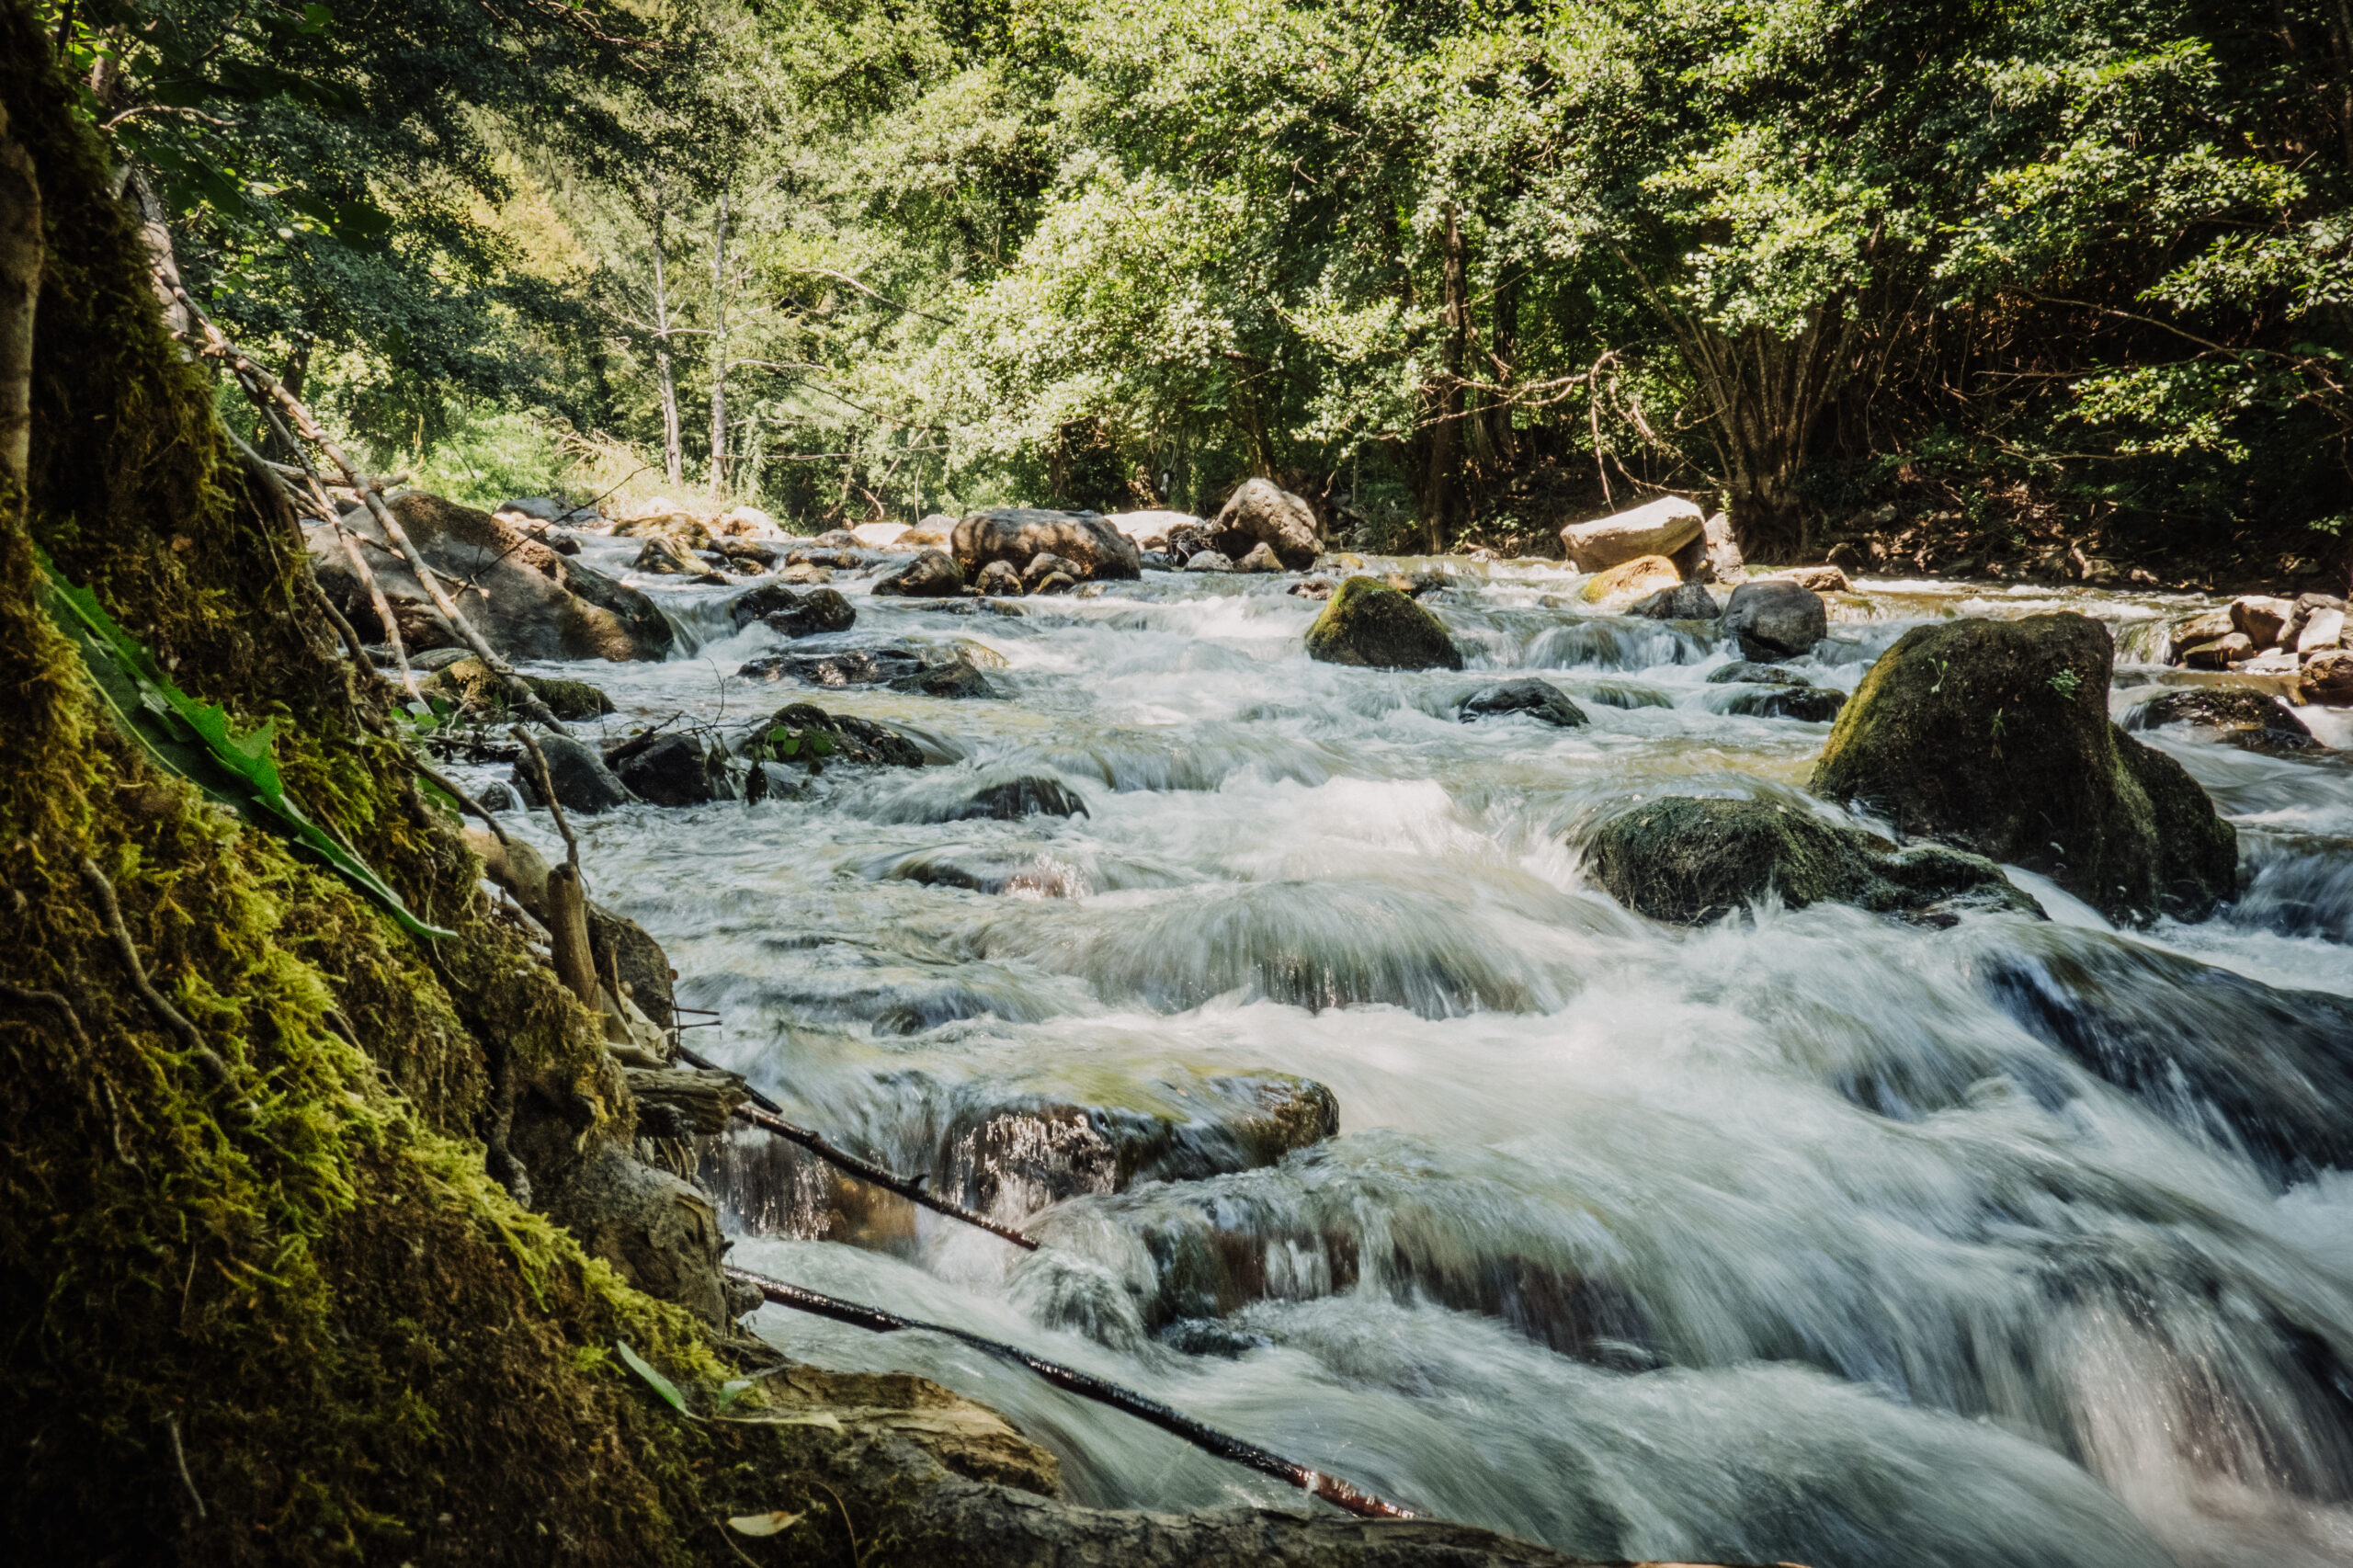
[[662, 1385], [193, 740]]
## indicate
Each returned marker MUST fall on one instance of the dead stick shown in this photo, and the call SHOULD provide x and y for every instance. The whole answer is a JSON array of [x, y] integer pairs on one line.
[[1331, 1488], [547, 790], [110, 909], [866, 1171], [179, 1462]]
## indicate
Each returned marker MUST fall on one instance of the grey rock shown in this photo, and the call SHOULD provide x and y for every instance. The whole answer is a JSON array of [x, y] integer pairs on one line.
[[1044, 564], [583, 783], [932, 574], [1538, 699], [792, 614], [1261, 558], [497, 796], [1685, 601], [1812, 704], [1019, 534], [1261, 513], [1775, 619], [999, 580], [671, 769], [659, 1233], [1765, 675], [1208, 560]]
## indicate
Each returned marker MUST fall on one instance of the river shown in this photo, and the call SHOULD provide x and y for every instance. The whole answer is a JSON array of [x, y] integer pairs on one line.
[[1783, 1239]]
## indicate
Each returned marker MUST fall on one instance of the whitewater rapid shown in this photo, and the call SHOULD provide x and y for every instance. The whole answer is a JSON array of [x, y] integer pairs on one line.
[[1782, 1239]]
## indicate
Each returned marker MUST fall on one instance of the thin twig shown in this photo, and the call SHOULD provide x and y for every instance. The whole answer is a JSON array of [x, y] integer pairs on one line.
[[110, 909], [468, 802], [547, 790], [1331, 1488], [179, 1462]]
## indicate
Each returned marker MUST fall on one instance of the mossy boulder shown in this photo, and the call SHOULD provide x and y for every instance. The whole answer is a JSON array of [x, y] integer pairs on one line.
[[482, 697], [1688, 860], [1367, 623], [1993, 736]]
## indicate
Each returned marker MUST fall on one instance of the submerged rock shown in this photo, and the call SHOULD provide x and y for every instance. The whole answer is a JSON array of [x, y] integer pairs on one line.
[[1688, 860], [1995, 735], [932, 574], [1775, 619], [2247, 717], [2224, 1057], [1538, 699], [1761, 675], [1367, 623], [1015, 798], [582, 781], [1810, 704]]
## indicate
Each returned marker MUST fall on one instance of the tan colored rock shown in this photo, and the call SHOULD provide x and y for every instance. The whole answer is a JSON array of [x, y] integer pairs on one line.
[[1820, 579], [2260, 619], [2324, 629], [746, 522], [1262, 512], [2221, 653], [1150, 529], [1660, 528], [1017, 534], [683, 529], [1623, 583], [881, 536], [2196, 630], [1724, 562], [2328, 678]]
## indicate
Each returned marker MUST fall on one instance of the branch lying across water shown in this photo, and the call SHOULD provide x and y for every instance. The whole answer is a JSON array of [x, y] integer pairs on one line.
[[1331, 1488]]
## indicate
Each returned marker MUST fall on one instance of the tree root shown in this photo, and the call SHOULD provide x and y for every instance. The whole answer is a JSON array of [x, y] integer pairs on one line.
[[171, 1017]]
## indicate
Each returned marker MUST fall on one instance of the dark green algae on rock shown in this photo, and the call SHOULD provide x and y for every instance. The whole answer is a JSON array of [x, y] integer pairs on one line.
[[1993, 736], [1688, 859], [1368, 622]]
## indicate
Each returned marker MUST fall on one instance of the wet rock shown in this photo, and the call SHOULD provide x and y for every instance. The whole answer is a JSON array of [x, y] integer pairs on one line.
[[1015, 798], [663, 520], [1775, 619], [1820, 579], [1155, 561], [2261, 618], [2222, 1056], [840, 667], [1368, 623], [1186, 540], [2221, 653], [2321, 628], [1688, 860], [2196, 630], [1995, 735], [792, 614], [998, 579], [744, 555], [1045, 565], [801, 574], [1810, 704], [497, 796], [932, 574], [1763, 675], [663, 558], [582, 781], [1261, 558], [670, 770], [2328, 678], [484, 698], [1208, 560], [1037, 876], [1018, 535], [532, 602], [1312, 589], [1538, 699], [1262, 513], [2249, 717], [848, 737], [1662, 528], [1646, 577], [1059, 582], [1685, 601], [955, 677], [637, 959], [1018, 1155], [831, 559]]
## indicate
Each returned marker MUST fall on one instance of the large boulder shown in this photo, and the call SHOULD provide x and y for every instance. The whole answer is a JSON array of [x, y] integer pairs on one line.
[[1018, 535], [1667, 525], [1685, 601], [2247, 717], [1629, 582], [1686, 859], [1995, 735], [1368, 622], [1262, 512], [932, 574], [1149, 530], [1775, 619], [672, 769], [526, 600]]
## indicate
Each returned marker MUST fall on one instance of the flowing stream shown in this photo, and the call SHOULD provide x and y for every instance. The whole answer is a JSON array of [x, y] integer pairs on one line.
[[1799, 1237]]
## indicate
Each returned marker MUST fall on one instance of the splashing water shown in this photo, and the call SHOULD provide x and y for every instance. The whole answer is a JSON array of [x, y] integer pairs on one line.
[[1808, 1236]]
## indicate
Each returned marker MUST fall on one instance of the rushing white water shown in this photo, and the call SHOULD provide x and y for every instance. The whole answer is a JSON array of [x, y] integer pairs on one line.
[[1799, 1237]]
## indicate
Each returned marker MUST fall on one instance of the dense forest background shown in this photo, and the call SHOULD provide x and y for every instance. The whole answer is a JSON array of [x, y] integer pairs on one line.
[[2063, 280]]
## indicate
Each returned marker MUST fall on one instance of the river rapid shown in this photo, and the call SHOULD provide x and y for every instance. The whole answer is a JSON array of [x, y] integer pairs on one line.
[[1790, 1238]]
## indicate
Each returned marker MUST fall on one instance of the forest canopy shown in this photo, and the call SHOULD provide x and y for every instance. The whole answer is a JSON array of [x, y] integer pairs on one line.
[[1451, 270]]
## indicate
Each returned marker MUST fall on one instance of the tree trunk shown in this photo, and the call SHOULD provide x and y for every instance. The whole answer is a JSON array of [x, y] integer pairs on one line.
[[719, 352], [1503, 351], [21, 264], [673, 455], [1442, 477]]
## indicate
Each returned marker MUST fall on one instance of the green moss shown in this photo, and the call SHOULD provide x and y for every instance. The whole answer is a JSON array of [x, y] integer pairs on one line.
[[1688, 860], [1368, 622], [482, 697]]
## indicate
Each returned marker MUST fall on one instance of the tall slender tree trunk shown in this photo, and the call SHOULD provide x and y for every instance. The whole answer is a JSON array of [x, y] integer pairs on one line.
[[673, 457], [1441, 485], [1503, 352], [719, 352]]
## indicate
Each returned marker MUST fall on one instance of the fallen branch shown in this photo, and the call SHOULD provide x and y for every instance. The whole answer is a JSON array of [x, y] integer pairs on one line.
[[1331, 1488], [867, 1171]]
